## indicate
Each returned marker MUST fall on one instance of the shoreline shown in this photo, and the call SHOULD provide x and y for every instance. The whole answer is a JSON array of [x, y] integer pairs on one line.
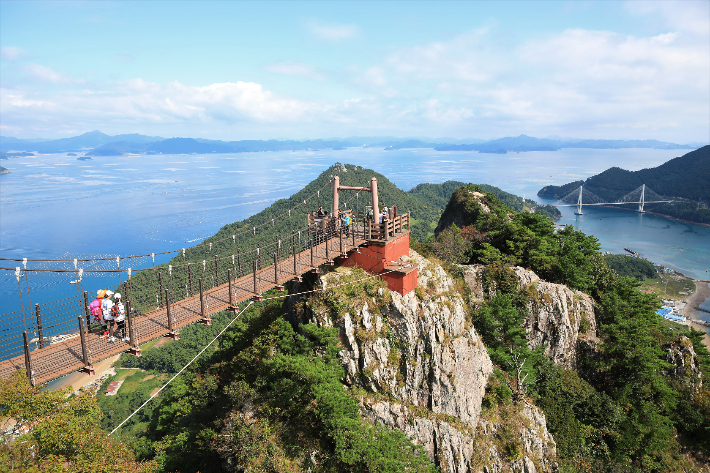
[[78, 380], [678, 219], [702, 293]]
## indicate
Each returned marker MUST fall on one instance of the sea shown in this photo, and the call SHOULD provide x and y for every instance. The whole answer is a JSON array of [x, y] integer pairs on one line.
[[55, 206]]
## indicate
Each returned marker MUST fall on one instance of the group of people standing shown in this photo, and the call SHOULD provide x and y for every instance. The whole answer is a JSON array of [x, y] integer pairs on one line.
[[110, 314]]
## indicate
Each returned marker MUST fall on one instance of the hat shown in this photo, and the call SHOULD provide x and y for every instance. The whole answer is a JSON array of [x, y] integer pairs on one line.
[[117, 295], [100, 293], [108, 294]]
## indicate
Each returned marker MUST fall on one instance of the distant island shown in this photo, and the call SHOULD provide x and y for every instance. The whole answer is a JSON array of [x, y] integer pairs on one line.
[[96, 143], [4, 170], [71, 154], [15, 154], [686, 179]]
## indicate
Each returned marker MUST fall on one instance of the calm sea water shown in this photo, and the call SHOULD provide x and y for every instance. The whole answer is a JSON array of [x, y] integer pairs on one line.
[[54, 206]]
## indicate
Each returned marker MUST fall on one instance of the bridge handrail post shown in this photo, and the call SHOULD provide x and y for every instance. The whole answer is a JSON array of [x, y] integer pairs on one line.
[[239, 262], [39, 326], [341, 239], [293, 252], [254, 278], [312, 259], [327, 250], [202, 299], [87, 312], [167, 309], [231, 294], [256, 297], [258, 253], [160, 280], [276, 269], [132, 341], [216, 269], [28, 359], [171, 323], [85, 355]]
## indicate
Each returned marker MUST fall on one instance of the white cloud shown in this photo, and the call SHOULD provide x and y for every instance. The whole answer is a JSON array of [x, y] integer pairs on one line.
[[467, 57], [46, 75], [298, 69], [332, 31], [574, 82], [12, 53], [691, 16]]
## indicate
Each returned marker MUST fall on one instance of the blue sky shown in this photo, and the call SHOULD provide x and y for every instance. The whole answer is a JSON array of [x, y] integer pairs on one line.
[[259, 70]]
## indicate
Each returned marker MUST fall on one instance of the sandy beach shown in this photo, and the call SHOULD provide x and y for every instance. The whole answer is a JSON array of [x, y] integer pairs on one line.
[[77, 380], [691, 312], [701, 294]]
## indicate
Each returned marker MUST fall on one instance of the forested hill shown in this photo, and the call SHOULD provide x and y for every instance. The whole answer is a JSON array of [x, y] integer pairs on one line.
[[686, 177], [426, 202]]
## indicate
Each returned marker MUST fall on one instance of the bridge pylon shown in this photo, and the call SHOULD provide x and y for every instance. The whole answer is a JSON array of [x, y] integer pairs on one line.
[[579, 203], [641, 200]]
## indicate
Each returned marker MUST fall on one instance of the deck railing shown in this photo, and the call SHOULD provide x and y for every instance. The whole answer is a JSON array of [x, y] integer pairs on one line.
[[389, 228]]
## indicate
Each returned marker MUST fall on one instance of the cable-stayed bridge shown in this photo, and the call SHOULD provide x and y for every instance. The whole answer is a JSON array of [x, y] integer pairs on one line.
[[641, 195]]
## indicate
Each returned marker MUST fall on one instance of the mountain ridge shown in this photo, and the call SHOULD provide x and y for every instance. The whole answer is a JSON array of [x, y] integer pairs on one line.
[[101, 144]]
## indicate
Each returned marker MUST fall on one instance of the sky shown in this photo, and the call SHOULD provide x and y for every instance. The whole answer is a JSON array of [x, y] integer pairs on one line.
[[306, 70]]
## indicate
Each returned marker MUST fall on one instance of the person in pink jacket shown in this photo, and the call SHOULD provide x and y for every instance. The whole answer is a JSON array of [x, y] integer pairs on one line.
[[95, 306]]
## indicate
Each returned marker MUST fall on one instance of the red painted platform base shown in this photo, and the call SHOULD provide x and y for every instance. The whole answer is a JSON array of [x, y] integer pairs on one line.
[[378, 257]]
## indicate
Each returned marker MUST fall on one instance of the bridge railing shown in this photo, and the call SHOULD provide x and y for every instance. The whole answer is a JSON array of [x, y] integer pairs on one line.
[[56, 321], [46, 324], [389, 228]]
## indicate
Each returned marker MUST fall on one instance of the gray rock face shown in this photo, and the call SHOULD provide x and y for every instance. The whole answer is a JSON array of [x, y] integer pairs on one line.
[[425, 370], [556, 315], [686, 365]]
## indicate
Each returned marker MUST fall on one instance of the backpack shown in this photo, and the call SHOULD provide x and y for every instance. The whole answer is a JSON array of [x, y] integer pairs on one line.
[[115, 313]]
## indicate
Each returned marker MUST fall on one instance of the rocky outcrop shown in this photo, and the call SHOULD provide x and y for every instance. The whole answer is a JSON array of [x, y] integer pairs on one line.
[[466, 206], [686, 365], [424, 370], [556, 315]]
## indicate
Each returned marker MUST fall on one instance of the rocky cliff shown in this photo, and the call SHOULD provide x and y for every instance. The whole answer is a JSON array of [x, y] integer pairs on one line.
[[686, 364], [417, 364], [557, 316]]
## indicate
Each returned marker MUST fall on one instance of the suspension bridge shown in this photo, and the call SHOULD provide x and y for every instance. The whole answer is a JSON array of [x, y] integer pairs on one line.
[[61, 337], [640, 196]]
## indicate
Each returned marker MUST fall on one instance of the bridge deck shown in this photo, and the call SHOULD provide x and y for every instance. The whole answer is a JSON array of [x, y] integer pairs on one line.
[[62, 358]]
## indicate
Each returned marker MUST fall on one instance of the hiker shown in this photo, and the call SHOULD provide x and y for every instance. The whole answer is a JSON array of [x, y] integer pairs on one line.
[[106, 319], [346, 221], [119, 318], [320, 213], [95, 306], [383, 215]]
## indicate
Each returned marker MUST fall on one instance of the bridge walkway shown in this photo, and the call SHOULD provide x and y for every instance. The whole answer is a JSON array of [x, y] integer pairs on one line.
[[65, 357]]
